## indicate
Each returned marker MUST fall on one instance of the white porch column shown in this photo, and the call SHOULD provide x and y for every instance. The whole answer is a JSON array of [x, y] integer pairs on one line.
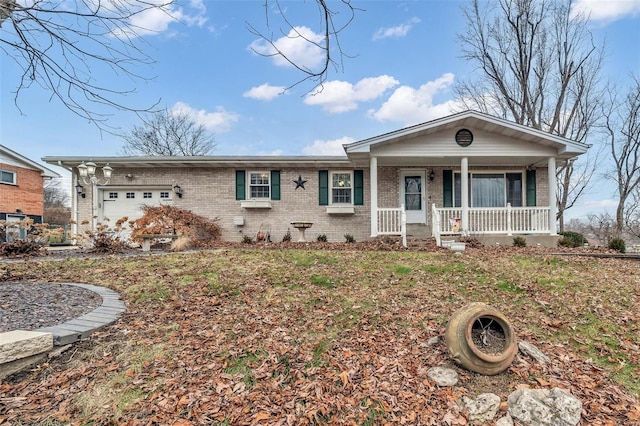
[[373, 184], [553, 208], [464, 194]]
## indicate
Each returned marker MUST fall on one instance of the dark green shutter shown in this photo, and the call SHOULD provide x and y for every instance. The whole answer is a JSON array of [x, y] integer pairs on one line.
[[358, 187], [275, 184], [241, 189], [531, 188], [323, 187], [447, 188]]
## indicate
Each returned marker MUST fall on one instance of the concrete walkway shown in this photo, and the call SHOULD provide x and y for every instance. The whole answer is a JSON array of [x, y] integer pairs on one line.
[[80, 328]]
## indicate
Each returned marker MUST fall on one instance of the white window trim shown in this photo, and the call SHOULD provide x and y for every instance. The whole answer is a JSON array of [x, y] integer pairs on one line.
[[15, 177], [268, 185], [344, 172], [340, 208]]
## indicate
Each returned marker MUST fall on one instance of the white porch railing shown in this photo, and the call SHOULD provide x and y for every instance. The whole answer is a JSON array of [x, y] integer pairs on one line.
[[491, 220], [393, 221]]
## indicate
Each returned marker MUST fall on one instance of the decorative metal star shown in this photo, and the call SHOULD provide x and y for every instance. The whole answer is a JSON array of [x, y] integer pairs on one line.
[[300, 182]]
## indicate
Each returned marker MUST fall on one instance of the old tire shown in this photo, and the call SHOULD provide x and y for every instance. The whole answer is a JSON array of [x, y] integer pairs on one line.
[[466, 337]]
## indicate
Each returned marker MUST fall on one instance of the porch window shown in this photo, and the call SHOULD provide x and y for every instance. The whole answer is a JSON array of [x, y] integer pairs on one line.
[[7, 177], [341, 188], [491, 189]]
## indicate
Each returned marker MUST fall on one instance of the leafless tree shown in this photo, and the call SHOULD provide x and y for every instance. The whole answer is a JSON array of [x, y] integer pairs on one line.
[[332, 20], [538, 66], [622, 126], [601, 227], [56, 203], [169, 133], [60, 45]]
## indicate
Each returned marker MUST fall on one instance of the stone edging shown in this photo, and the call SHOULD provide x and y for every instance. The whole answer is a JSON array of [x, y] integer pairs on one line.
[[80, 328]]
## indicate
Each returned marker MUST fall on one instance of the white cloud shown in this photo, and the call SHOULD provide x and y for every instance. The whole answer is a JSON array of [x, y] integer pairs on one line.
[[396, 32], [606, 11], [341, 96], [299, 46], [411, 106], [155, 20], [219, 121], [264, 92], [275, 152], [330, 147]]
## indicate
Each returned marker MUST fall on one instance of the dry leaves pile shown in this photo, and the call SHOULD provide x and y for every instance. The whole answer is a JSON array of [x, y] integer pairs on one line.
[[298, 337]]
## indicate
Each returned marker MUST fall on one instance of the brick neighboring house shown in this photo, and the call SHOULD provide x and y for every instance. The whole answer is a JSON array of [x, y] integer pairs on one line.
[[21, 186], [465, 174]]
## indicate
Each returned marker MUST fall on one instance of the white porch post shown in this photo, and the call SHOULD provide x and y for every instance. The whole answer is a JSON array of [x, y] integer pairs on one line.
[[373, 183], [464, 194], [552, 196]]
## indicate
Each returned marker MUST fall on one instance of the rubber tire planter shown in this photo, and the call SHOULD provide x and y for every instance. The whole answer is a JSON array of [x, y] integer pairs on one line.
[[463, 350]]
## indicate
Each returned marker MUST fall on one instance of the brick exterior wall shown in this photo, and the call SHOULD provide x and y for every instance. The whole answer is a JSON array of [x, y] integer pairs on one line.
[[210, 192], [26, 195]]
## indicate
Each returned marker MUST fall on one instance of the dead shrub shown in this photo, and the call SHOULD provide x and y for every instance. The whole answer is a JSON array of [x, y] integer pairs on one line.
[[170, 220]]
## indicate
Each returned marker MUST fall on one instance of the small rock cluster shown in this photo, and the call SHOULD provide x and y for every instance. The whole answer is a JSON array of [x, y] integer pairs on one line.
[[529, 407]]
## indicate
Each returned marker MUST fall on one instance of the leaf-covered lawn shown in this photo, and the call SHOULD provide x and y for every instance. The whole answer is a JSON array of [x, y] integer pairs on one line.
[[328, 337]]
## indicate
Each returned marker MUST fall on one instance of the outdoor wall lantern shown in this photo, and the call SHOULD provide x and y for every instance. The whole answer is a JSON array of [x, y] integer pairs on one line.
[[432, 175], [87, 172], [80, 190], [177, 190]]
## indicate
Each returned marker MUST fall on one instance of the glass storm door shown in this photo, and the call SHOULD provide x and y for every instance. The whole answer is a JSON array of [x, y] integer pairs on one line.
[[413, 195]]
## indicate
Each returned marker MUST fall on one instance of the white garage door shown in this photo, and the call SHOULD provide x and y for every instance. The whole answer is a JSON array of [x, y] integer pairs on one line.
[[118, 203]]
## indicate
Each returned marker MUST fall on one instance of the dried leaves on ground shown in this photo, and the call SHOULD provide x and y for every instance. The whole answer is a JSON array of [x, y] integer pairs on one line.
[[294, 337]]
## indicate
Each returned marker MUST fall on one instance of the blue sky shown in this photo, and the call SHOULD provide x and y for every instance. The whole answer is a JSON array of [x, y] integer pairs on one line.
[[403, 58]]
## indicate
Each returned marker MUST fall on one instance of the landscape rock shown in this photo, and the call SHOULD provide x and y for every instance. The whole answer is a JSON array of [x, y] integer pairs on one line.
[[482, 409], [505, 421], [537, 407], [433, 341], [528, 349], [443, 376]]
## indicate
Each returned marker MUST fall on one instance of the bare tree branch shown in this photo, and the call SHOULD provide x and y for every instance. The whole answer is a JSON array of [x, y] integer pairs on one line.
[[60, 45], [168, 133], [329, 44], [622, 126], [538, 66]]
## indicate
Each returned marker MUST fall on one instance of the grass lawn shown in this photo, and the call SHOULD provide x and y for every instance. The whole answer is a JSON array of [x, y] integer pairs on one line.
[[253, 336]]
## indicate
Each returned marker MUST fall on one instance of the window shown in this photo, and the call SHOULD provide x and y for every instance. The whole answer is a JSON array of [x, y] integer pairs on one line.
[[259, 185], [131, 195], [164, 195], [490, 189], [147, 195], [341, 188], [7, 177], [113, 195]]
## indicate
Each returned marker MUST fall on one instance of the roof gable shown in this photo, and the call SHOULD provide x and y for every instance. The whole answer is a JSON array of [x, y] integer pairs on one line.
[[11, 157], [476, 122]]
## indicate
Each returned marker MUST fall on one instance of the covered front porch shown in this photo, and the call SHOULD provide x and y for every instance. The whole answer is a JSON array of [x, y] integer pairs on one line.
[[468, 174]]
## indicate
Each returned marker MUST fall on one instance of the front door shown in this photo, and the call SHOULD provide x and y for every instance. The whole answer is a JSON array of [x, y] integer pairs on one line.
[[412, 195]]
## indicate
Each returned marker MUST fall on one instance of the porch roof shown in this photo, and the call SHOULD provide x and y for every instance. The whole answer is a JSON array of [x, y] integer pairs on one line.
[[563, 148]]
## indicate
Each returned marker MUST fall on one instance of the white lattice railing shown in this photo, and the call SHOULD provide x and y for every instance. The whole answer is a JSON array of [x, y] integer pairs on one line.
[[393, 221], [491, 220]]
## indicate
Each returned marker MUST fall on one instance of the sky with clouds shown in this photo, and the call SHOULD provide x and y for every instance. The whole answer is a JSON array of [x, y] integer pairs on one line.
[[399, 64]]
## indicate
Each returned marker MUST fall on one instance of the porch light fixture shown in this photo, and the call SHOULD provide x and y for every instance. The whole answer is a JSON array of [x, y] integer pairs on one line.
[[87, 172], [177, 190], [432, 175], [80, 190]]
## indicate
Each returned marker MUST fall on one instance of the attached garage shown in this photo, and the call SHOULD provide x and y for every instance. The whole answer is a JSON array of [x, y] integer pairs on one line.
[[116, 203]]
